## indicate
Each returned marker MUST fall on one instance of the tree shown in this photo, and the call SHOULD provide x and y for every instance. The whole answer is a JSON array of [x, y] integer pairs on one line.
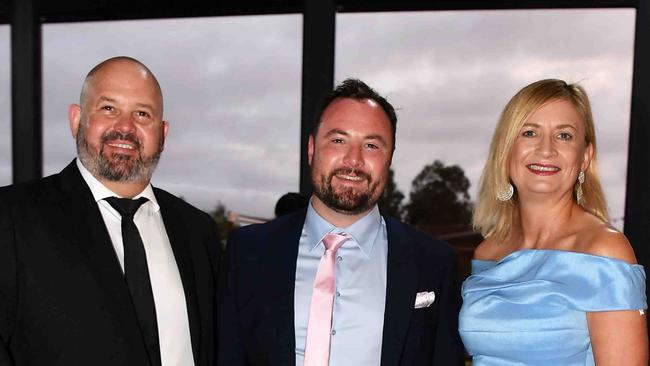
[[390, 202], [439, 197]]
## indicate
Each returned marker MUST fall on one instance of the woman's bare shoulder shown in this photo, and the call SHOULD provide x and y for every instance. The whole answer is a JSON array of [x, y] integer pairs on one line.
[[598, 238], [489, 250]]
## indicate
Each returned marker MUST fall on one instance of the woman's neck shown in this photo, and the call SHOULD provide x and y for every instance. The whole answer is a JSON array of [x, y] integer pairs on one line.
[[544, 221]]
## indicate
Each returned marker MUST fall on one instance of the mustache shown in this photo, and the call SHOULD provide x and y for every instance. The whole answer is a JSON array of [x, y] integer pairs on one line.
[[116, 135], [350, 171]]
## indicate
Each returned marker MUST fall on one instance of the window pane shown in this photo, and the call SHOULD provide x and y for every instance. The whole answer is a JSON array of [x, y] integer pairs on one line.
[[452, 72], [232, 97], [5, 106]]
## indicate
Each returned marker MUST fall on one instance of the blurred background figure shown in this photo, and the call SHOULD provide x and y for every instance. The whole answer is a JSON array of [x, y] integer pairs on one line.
[[290, 202]]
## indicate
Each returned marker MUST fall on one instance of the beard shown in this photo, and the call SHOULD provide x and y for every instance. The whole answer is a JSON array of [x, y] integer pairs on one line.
[[346, 200], [117, 167]]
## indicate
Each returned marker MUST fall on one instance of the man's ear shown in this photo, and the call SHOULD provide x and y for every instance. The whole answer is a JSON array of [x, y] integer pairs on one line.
[[74, 117], [165, 128], [310, 149]]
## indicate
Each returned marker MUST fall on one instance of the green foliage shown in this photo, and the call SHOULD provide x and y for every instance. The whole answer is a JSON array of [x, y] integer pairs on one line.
[[390, 202], [439, 197]]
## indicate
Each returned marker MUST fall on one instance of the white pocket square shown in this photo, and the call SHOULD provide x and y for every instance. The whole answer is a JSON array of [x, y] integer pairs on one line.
[[424, 299]]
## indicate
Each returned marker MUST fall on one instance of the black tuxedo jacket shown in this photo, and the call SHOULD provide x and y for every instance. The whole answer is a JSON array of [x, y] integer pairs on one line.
[[63, 298], [256, 301]]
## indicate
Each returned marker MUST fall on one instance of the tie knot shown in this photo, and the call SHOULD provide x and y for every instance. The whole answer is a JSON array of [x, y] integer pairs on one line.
[[334, 241], [126, 206]]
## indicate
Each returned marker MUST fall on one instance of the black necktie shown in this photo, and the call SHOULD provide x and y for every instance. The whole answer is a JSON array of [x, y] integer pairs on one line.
[[136, 274]]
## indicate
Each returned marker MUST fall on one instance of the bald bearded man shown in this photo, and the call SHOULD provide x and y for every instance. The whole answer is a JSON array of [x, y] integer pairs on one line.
[[97, 267]]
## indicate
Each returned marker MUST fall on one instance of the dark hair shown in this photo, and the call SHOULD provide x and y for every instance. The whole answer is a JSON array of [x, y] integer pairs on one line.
[[356, 89], [290, 202]]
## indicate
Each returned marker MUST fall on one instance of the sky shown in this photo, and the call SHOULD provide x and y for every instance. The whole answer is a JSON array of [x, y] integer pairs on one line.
[[232, 98], [232, 90], [451, 73]]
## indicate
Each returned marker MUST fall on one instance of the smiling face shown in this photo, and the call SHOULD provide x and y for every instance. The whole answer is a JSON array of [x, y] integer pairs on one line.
[[350, 156], [119, 128], [550, 151]]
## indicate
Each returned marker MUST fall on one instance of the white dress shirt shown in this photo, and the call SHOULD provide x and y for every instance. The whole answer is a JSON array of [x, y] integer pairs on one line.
[[168, 293]]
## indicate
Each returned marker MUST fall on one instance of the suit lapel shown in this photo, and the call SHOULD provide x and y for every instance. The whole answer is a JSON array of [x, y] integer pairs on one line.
[[86, 230], [281, 277], [177, 232], [401, 287]]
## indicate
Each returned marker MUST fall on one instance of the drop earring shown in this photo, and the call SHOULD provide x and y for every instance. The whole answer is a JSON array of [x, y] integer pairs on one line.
[[506, 194], [579, 195]]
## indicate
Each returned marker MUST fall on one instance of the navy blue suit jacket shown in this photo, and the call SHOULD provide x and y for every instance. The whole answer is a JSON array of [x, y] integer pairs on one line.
[[256, 300], [63, 298]]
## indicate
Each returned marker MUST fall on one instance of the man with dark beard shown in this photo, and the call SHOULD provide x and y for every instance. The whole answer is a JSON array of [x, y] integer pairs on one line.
[[97, 267], [338, 283]]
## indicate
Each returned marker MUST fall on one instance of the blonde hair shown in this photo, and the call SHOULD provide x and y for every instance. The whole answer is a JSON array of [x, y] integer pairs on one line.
[[495, 218]]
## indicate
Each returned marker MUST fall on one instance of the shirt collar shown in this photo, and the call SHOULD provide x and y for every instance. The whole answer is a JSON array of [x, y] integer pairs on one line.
[[101, 192], [364, 231]]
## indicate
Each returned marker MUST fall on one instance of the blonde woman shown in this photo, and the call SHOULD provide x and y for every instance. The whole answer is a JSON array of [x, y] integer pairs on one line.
[[553, 283]]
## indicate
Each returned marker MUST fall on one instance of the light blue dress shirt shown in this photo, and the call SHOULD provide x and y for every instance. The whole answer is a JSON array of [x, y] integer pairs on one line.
[[360, 297]]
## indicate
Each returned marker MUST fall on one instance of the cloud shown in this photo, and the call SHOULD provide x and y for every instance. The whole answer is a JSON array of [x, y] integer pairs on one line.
[[451, 73], [232, 89], [232, 96]]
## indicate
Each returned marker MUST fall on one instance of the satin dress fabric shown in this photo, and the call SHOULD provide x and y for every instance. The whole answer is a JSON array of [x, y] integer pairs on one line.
[[530, 308]]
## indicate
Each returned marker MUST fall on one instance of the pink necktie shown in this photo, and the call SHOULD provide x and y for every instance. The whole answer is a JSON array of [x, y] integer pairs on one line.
[[319, 325]]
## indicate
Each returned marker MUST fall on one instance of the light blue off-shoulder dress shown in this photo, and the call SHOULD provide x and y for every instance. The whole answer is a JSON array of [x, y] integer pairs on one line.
[[530, 307]]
